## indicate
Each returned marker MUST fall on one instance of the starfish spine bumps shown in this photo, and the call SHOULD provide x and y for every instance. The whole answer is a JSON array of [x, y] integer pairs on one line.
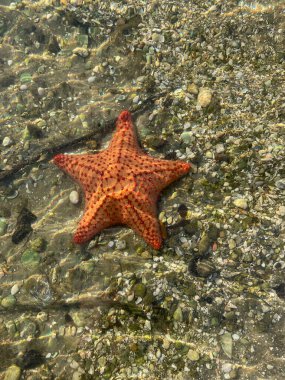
[[121, 185]]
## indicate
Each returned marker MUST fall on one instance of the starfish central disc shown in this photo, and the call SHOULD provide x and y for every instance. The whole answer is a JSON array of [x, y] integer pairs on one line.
[[116, 183]]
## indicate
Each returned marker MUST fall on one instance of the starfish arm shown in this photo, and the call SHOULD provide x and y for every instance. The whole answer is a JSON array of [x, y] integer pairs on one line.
[[97, 216], [85, 168], [124, 138], [159, 173], [140, 215]]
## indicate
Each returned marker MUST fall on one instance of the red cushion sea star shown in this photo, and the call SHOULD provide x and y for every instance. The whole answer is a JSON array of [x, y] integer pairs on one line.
[[121, 185]]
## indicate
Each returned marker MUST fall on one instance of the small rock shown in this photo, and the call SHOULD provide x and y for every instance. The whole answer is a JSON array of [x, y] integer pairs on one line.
[[74, 197], [23, 87], [7, 141], [232, 244], [280, 211], [38, 244], [220, 148], [241, 203], [8, 302], [186, 137], [177, 315], [3, 226], [30, 259], [13, 373], [121, 244], [136, 99], [14, 290], [41, 91], [139, 290], [280, 184], [192, 88], [204, 97], [91, 79], [193, 355], [227, 344]]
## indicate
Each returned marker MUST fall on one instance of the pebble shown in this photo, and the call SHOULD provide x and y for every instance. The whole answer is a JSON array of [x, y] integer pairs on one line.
[[30, 259], [204, 97], [232, 244], [9, 62], [136, 99], [41, 91], [121, 244], [186, 137], [14, 290], [23, 87], [3, 226], [74, 197], [91, 79], [177, 315], [193, 355], [220, 148], [241, 203], [227, 344], [280, 184], [226, 367], [7, 141], [8, 302], [280, 211]]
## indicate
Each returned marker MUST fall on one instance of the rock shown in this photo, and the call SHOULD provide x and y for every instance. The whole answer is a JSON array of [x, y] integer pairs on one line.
[[186, 137], [280, 184], [241, 203], [193, 355], [192, 88], [7, 141], [91, 79], [227, 344], [204, 97], [3, 226], [30, 259], [121, 244], [8, 302], [14, 290], [139, 290], [280, 211], [177, 315], [74, 197], [38, 244], [41, 91], [13, 373]]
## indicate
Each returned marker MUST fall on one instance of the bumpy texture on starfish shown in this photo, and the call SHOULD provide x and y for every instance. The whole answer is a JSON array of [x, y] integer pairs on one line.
[[121, 185]]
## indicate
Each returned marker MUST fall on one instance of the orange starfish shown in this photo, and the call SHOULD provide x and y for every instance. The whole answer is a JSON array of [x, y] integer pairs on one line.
[[121, 185]]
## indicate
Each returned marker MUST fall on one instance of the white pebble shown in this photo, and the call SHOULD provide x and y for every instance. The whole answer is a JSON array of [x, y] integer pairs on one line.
[[74, 197], [9, 62], [136, 99], [41, 91], [7, 141], [220, 148], [23, 87], [91, 79], [14, 290]]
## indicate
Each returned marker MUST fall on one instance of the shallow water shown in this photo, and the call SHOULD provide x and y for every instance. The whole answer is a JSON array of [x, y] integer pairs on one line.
[[204, 83]]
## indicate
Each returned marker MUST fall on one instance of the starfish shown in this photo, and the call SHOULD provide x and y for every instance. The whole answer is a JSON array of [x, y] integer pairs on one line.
[[121, 185]]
